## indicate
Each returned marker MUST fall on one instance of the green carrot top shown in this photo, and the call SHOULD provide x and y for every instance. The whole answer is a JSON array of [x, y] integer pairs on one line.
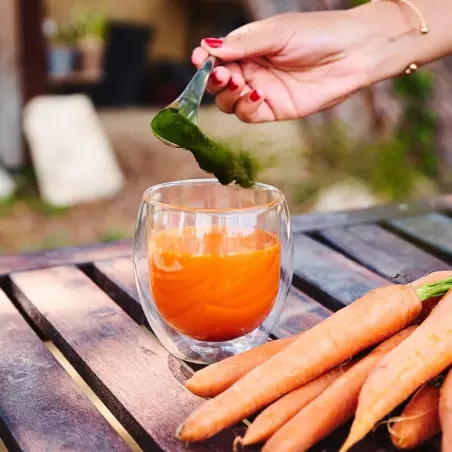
[[436, 289]]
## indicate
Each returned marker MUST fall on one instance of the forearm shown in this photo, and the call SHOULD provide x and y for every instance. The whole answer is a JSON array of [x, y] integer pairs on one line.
[[398, 40]]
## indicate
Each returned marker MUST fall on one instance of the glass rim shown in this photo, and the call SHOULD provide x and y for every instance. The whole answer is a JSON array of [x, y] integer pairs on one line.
[[280, 198]]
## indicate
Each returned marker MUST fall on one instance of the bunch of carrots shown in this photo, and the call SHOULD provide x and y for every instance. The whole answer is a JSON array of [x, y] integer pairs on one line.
[[390, 348]]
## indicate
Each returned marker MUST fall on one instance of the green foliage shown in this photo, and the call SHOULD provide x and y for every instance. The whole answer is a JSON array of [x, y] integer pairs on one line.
[[111, 235], [53, 240], [418, 129], [391, 175], [27, 192], [384, 166], [6, 205], [90, 24], [65, 35]]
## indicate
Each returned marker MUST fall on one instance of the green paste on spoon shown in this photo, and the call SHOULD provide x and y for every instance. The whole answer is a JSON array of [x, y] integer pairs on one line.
[[225, 164]]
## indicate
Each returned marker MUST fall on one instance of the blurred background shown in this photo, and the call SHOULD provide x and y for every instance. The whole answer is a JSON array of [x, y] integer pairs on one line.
[[130, 58]]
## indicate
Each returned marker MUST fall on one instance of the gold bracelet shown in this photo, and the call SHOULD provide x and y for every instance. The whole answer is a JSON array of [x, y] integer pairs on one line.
[[423, 27]]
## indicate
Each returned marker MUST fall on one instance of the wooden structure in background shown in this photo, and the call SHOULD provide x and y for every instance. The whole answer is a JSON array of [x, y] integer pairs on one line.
[[33, 48], [10, 86], [22, 72]]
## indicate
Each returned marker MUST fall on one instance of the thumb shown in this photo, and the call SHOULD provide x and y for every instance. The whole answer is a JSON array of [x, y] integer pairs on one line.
[[252, 40]]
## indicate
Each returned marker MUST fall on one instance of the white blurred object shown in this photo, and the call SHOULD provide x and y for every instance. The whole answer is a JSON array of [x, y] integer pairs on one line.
[[7, 185], [345, 195], [73, 160]]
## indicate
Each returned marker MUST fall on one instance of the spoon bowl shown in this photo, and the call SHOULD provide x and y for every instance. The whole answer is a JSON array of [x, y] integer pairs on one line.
[[187, 104]]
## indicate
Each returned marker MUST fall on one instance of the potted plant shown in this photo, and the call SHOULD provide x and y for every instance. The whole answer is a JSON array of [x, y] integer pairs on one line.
[[91, 41], [61, 51]]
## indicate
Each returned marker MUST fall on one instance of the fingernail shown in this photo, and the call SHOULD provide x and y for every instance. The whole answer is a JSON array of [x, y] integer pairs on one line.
[[232, 85], [215, 78], [213, 42], [255, 95]]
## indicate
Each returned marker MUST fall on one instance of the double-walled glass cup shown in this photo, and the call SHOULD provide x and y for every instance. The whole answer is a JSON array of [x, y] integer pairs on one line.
[[213, 265]]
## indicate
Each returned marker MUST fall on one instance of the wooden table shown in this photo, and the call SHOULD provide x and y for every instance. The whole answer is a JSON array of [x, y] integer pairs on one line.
[[84, 301]]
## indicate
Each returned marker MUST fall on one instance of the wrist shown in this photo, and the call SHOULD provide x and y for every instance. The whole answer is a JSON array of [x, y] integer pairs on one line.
[[387, 46]]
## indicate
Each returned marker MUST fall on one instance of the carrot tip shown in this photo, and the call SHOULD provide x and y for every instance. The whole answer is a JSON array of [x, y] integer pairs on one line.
[[237, 446], [192, 388], [179, 431], [346, 446]]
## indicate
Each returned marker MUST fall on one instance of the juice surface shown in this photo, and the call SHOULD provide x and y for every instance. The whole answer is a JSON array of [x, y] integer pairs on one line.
[[216, 284]]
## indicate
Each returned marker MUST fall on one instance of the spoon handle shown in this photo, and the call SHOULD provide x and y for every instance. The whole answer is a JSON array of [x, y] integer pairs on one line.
[[188, 102]]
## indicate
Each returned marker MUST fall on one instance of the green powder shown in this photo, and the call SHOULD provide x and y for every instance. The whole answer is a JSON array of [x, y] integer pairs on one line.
[[225, 164]]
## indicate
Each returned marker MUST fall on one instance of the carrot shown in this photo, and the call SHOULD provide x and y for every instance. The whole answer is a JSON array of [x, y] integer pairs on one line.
[[422, 356], [281, 411], [445, 413], [432, 278], [419, 420], [214, 379], [367, 321], [335, 406]]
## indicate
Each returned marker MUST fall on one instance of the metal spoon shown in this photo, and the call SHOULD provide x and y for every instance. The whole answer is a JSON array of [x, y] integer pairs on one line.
[[188, 102]]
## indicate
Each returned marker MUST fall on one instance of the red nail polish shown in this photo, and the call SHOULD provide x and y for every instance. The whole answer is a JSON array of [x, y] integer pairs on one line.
[[215, 79], [214, 42], [232, 85], [255, 95]]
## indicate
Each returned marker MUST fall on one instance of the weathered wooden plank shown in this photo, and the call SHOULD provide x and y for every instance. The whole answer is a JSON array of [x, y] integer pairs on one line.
[[321, 220], [116, 278], [433, 231], [299, 314], [129, 370], [383, 252], [63, 256], [41, 407], [328, 276]]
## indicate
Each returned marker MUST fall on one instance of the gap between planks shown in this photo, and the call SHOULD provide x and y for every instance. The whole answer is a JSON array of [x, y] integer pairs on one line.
[[89, 271], [72, 372], [426, 245], [81, 383], [101, 371]]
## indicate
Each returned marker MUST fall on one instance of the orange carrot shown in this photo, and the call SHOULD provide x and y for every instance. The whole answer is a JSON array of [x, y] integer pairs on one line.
[[419, 420], [214, 379], [445, 413], [335, 406], [367, 321], [432, 278], [422, 356], [281, 411]]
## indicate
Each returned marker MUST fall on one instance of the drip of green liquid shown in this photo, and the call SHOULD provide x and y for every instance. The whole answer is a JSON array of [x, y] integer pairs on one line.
[[225, 164]]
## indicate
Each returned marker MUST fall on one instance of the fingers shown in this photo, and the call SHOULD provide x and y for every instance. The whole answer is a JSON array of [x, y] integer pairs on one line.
[[233, 95], [250, 107], [234, 89], [252, 40], [218, 80], [198, 56]]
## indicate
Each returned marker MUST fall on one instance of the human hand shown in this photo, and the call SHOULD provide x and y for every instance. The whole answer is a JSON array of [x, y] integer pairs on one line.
[[295, 64]]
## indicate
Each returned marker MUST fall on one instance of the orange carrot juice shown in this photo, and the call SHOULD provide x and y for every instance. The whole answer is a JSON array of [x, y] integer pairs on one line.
[[216, 284]]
